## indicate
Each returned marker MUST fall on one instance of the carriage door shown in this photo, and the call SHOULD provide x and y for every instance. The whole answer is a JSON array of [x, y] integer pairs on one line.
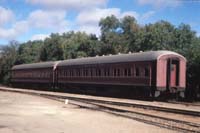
[[172, 73]]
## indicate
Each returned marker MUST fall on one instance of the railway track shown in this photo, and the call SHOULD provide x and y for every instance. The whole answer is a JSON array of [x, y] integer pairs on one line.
[[130, 113], [144, 113], [173, 124], [149, 107], [185, 103]]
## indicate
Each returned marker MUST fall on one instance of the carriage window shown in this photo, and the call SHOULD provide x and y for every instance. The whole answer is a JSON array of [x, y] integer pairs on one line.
[[108, 72], [91, 72], [71, 73], [99, 72], [172, 67], [83, 72], [96, 72], [125, 72], [137, 71], [105, 72], [129, 72], [115, 72], [78, 73], [65, 73], [61, 73], [146, 72], [86, 72], [118, 72]]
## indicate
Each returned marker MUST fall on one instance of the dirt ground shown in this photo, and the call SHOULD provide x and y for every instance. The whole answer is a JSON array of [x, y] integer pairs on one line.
[[20, 113]]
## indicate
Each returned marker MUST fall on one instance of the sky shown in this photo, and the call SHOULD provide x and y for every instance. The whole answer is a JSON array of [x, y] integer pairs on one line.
[[24, 20]]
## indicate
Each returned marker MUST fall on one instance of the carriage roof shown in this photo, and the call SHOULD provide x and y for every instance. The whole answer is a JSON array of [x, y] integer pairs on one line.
[[132, 57]]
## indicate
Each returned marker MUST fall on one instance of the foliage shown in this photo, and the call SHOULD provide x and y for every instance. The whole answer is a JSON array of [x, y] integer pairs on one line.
[[28, 52], [52, 49], [80, 45], [8, 56], [117, 36]]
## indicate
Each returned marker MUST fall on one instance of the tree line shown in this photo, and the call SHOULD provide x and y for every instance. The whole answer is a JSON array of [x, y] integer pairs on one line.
[[117, 36]]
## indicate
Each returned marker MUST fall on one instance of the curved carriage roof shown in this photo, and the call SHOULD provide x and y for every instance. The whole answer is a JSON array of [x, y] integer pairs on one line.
[[35, 65], [142, 56]]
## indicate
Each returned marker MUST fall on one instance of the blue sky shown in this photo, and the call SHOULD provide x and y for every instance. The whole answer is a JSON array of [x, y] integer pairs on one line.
[[24, 20]]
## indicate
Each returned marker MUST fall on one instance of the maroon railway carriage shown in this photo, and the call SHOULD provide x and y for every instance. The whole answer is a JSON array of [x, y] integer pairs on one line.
[[33, 75], [146, 73], [152, 73]]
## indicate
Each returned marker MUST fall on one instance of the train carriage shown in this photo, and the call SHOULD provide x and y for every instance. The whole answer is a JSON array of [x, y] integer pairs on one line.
[[33, 75], [152, 73]]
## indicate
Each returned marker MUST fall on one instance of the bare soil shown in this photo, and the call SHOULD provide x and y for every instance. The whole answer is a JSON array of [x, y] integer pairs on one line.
[[20, 113]]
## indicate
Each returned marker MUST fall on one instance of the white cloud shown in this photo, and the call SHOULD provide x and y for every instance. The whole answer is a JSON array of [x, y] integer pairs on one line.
[[68, 4], [90, 29], [88, 20], [53, 21], [147, 15], [93, 16], [17, 29], [160, 3], [39, 37], [48, 19], [6, 15], [130, 13], [21, 26]]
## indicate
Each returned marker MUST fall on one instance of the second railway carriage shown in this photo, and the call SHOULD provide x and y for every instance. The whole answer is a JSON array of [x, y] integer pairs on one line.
[[149, 73], [34, 75]]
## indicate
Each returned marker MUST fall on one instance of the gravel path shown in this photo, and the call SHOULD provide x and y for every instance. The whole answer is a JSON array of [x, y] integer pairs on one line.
[[20, 113]]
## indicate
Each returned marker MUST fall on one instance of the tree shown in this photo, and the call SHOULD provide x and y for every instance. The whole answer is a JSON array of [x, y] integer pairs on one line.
[[109, 24], [80, 45], [52, 49], [29, 52], [130, 30], [187, 43], [112, 39], [117, 35], [7, 60], [158, 36]]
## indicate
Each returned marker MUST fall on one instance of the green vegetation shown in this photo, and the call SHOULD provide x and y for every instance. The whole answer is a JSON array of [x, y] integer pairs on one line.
[[122, 36]]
